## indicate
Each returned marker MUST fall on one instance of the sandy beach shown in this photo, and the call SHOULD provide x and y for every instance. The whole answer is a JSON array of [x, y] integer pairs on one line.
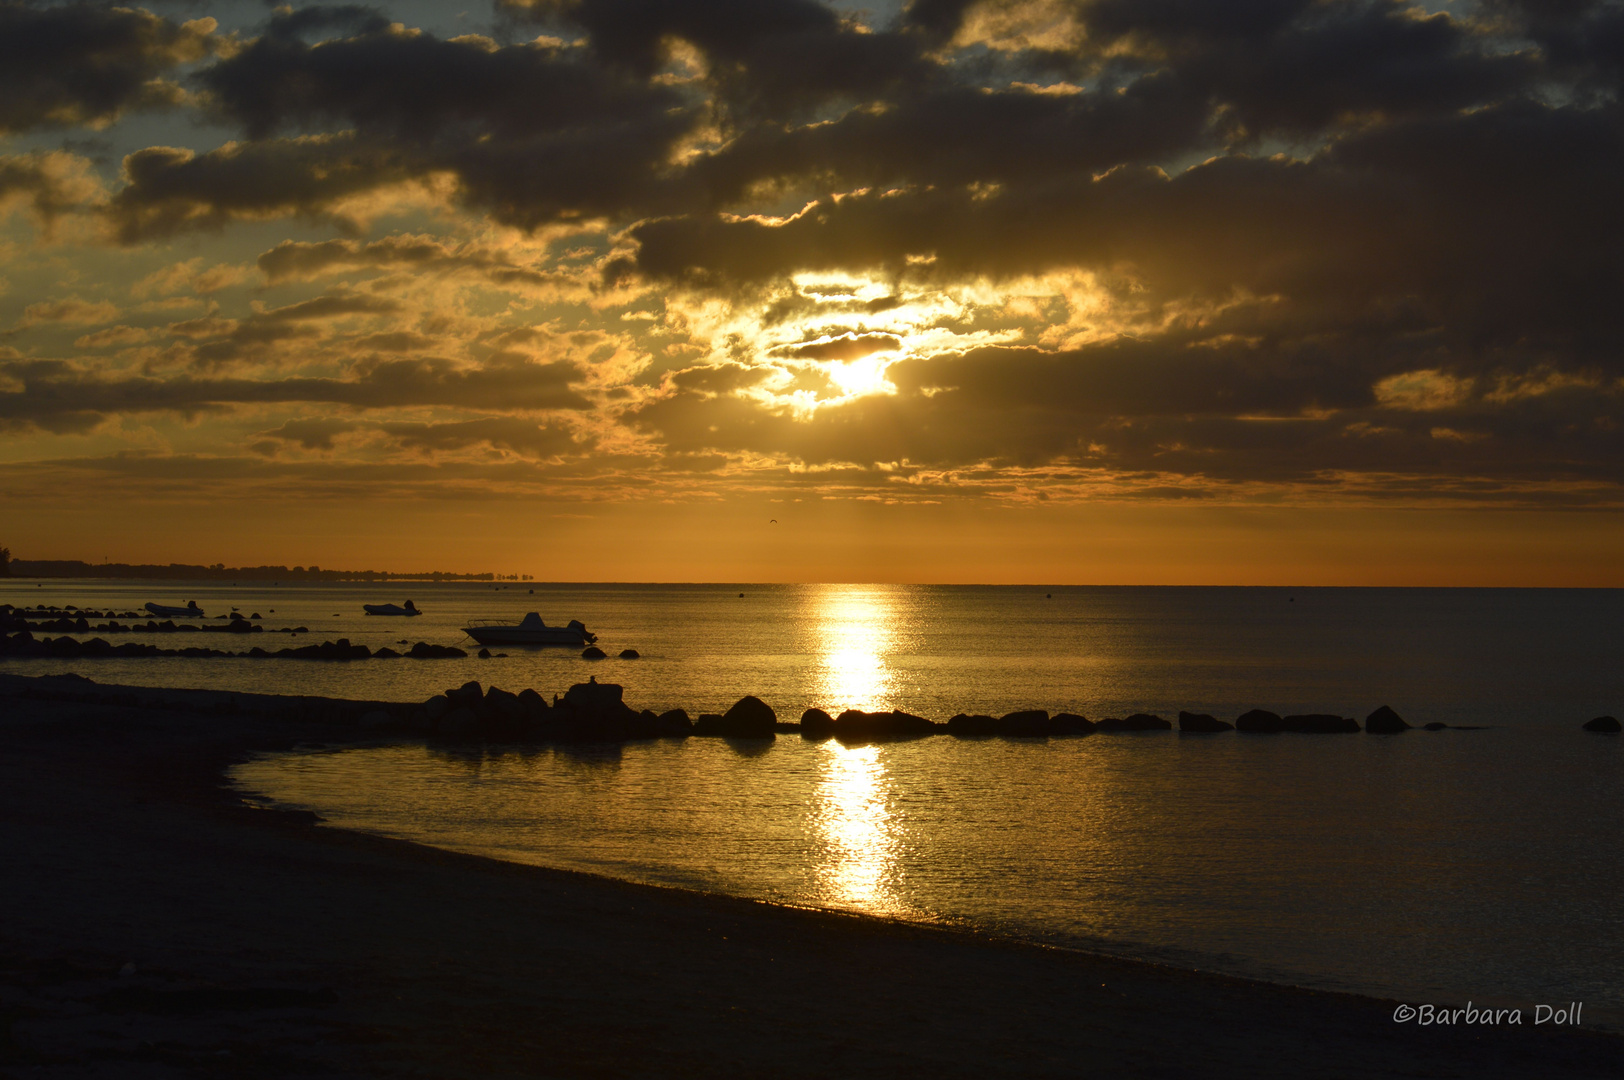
[[154, 925]]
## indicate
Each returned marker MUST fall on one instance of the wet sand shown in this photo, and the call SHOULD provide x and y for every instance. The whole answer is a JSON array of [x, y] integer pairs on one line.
[[153, 925]]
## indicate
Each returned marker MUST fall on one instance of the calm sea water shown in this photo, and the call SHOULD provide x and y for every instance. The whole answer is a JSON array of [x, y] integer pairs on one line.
[[1482, 865]]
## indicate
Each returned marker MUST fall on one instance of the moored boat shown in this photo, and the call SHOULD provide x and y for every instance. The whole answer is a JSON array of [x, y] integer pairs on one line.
[[407, 608], [529, 631], [169, 611]]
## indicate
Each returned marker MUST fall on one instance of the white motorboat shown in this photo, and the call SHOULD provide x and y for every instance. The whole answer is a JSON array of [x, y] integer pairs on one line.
[[530, 631], [190, 611], [407, 608]]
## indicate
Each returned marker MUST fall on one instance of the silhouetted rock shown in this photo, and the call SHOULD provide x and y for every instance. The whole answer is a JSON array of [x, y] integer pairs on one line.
[[817, 724], [592, 652], [1606, 725], [1070, 724], [386, 653], [469, 694], [1436, 725], [376, 719], [593, 694], [1202, 722], [424, 651], [1384, 721], [1320, 724], [1259, 721], [1025, 723], [855, 725], [630, 654], [1136, 722], [966, 724], [749, 718], [534, 704], [675, 722]]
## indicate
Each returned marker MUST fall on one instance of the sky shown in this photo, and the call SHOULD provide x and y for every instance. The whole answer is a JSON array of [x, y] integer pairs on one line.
[[1066, 291]]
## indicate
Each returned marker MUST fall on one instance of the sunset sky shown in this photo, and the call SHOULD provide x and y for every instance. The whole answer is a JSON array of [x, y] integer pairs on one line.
[[1138, 291]]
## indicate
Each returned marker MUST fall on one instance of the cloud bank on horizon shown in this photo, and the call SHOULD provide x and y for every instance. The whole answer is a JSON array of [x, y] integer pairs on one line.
[[1311, 251]]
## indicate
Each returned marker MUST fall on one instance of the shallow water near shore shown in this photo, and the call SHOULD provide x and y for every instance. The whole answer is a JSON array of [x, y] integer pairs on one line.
[[1444, 867], [1448, 866]]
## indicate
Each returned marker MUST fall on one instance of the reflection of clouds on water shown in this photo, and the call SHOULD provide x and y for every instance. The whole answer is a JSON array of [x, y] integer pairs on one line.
[[859, 836], [855, 629]]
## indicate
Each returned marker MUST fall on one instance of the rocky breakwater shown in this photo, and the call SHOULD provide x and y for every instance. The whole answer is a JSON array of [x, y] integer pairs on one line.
[[1021, 724], [23, 644]]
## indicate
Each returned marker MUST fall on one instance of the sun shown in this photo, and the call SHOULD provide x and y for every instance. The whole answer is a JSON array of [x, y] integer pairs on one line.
[[864, 376]]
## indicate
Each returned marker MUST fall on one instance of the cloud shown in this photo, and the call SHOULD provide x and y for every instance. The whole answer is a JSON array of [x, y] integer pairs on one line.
[[84, 63], [50, 184]]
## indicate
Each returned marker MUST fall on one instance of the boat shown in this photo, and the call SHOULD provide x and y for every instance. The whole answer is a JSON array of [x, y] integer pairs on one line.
[[530, 631], [191, 610], [407, 608]]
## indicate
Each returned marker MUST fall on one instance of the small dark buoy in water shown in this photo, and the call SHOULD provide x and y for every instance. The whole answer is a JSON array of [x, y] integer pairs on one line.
[[741, 596], [1049, 596]]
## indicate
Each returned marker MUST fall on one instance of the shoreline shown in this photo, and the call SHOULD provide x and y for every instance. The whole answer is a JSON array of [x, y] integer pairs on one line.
[[135, 853]]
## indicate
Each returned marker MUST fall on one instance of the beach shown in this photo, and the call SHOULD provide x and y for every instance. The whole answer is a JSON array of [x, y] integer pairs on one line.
[[155, 925]]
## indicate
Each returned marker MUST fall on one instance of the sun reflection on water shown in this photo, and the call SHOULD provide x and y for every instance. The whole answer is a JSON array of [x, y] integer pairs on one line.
[[859, 833], [854, 629]]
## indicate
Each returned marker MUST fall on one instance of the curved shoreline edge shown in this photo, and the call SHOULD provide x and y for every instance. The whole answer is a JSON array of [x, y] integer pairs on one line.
[[418, 959]]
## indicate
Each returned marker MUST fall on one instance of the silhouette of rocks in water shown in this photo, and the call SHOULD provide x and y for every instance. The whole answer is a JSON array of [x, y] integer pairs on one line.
[[854, 725], [972, 725], [817, 724], [1024, 724], [749, 718], [1260, 722], [1136, 722], [675, 722], [1436, 725], [1320, 724], [1203, 723], [630, 654], [592, 652], [483, 654], [1070, 724], [1384, 721], [1606, 725]]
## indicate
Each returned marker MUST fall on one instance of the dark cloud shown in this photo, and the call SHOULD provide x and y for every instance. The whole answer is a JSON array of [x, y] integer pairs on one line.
[[294, 260], [524, 437], [71, 64], [844, 347], [44, 393]]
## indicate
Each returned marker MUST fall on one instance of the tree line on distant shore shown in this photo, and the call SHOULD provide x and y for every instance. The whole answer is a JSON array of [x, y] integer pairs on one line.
[[73, 568]]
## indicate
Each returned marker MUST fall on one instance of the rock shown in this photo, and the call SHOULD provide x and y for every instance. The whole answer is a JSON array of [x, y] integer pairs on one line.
[[749, 718], [386, 653], [969, 725], [817, 724], [675, 722], [1320, 724], [593, 694], [436, 707], [1202, 722], [630, 654], [1070, 724], [1136, 722], [376, 719], [484, 654], [468, 694], [534, 704], [1606, 725], [459, 723], [592, 652], [854, 725], [1259, 722], [1384, 721], [1025, 723], [1435, 726]]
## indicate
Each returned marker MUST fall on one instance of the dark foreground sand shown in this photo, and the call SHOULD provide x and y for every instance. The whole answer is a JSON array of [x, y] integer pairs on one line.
[[263, 945]]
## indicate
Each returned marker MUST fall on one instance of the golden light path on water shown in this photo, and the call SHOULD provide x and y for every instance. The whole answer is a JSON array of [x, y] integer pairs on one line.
[[859, 834]]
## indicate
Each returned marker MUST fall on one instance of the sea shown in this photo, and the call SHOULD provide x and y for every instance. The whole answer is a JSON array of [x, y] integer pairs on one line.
[[1480, 863]]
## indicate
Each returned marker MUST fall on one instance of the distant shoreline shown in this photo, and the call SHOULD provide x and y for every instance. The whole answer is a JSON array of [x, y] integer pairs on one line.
[[73, 568]]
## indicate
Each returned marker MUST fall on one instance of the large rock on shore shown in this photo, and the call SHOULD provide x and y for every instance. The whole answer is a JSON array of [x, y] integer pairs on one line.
[[1384, 721], [1259, 722], [749, 718], [854, 725], [972, 724], [1319, 724], [1605, 725], [1136, 722], [1203, 723]]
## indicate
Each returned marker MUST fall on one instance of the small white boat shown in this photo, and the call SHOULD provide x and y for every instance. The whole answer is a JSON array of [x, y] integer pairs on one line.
[[530, 631], [407, 608], [191, 610]]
